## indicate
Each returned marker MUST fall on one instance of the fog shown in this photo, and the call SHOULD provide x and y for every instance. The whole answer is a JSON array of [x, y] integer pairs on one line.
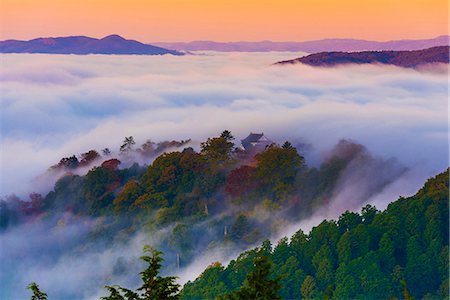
[[54, 106]]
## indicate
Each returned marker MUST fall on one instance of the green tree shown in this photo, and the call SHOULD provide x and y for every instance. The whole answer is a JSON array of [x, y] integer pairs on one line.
[[277, 168], [308, 288], [386, 253], [218, 150], [324, 266], [182, 240], [98, 187], [344, 248], [37, 293], [258, 284], [240, 228], [153, 285], [348, 221], [213, 284], [291, 277]]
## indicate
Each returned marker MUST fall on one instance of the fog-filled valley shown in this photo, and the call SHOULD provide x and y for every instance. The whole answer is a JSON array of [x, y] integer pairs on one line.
[[102, 154]]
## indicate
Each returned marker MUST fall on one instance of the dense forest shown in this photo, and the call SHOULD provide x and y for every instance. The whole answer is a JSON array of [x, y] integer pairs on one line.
[[401, 252], [406, 59], [227, 197]]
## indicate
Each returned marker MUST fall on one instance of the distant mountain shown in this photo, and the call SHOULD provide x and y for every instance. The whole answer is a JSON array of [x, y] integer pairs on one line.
[[112, 44], [309, 46], [407, 59]]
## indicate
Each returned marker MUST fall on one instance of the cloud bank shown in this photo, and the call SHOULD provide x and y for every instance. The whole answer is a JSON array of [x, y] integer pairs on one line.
[[55, 105]]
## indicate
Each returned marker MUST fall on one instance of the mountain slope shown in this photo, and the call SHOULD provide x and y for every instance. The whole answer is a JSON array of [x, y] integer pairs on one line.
[[407, 59], [308, 46], [113, 44], [373, 255]]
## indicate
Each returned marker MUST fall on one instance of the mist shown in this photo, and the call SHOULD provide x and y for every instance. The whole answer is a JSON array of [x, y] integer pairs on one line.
[[55, 106]]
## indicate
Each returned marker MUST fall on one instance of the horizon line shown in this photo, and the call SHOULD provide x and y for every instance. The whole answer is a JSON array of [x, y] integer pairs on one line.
[[235, 41]]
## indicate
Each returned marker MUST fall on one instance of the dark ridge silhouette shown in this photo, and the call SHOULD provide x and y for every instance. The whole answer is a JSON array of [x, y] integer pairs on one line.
[[406, 59], [308, 46], [112, 44]]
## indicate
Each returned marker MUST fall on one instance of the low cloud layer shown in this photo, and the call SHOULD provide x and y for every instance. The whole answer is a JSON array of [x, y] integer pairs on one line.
[[55, 105]]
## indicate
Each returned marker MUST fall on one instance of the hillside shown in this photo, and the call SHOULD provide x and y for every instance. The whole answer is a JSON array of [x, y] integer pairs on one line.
[[398, 253], [112, 44], [225, 198], [308, 46], [406, 59]]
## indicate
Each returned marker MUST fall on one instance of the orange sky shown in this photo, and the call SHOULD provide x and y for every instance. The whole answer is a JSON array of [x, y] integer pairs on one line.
[[225, 20]]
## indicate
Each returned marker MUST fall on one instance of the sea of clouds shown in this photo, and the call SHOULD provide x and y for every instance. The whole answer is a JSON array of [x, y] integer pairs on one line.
[[54, 106], [59, 105]]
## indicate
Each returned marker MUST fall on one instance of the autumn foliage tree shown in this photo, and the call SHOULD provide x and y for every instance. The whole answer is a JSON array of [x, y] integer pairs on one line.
[[241, 181], [88, 157]]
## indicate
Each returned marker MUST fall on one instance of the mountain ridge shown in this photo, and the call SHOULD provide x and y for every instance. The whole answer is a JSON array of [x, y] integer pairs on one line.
[[82, 45], [330, 44]]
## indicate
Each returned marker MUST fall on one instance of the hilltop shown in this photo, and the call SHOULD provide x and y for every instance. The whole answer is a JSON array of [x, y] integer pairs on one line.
[[406, 59]]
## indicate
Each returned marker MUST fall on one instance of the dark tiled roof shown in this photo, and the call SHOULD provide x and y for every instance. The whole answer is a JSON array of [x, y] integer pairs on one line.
[[252, 138]]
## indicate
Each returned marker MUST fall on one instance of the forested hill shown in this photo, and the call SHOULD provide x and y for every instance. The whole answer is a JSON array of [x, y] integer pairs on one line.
[[399, 253], [223, 198], [406, 59]]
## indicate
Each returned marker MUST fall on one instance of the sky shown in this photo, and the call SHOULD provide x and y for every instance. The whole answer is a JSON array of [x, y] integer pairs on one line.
[[225, 20]]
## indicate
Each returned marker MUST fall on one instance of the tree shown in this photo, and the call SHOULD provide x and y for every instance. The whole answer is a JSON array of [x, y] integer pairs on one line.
[[227, 135], [37, 293], [277, 168], [111, 164], [258, 284], [241, 181], [88, 157], [98, 187], [127, 145], [68, 163], [126, 197], [308, 288], [218, 150], [240, 228], [153, 285], [212, 284], [323, 264], [348, 221], [291, 276], [368, 213], [106, 152]]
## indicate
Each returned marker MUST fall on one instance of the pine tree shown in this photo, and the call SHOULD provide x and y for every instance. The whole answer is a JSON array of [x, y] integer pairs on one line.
[[258, 284], [37, 294], [153, 286]]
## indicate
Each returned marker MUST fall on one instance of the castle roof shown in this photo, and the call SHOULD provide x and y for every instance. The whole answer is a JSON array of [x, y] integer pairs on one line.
[[254, 139]]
